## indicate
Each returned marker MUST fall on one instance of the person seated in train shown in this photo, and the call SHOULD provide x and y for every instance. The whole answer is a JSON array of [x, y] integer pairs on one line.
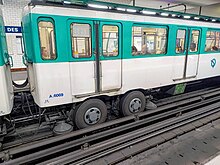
[[134, 50], [161, 51], [75, 53], [115, 52], [179, 49], [44, 53], [193, 46], [215, 48], [144, 49], [207, 48]]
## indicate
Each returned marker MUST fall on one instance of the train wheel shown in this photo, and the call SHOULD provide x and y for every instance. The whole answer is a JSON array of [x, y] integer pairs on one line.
[[91, 112], [132, 103]]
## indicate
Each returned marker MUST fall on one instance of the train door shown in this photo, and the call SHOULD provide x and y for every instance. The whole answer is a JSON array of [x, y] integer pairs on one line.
[[192, 54], [82, 57], [187, 53], [109, 55], [95, 62]]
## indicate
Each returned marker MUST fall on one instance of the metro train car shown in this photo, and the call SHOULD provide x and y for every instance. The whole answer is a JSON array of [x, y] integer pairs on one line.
[[85, 54], [6, 88]]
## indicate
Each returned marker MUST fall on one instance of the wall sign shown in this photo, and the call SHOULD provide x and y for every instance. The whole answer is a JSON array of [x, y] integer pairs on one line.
[[13, 29]]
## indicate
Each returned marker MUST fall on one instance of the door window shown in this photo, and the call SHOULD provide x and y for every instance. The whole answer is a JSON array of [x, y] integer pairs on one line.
[[110, 40], [194, 41], [47, 40], [81, 40], [180, 41]]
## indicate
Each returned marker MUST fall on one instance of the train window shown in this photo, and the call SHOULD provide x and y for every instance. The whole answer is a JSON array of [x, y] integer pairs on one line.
[[194, 41], [110, 40], [47, 40], [212, 41], [147, 40], [81, 40], [180, 41]]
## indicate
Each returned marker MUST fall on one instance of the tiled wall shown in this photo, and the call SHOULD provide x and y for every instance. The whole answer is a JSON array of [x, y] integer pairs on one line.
[[12, 12]]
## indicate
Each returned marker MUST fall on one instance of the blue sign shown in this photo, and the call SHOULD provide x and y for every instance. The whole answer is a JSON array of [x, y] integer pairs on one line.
[[213, 62], [13, 29]]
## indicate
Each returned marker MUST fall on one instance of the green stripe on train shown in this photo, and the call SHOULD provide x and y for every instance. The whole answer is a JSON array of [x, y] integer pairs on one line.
[[3, 44], [63, 39]]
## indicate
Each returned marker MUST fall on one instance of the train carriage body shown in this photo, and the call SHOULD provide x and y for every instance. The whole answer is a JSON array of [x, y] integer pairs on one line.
[[76, 53], [6, 89]]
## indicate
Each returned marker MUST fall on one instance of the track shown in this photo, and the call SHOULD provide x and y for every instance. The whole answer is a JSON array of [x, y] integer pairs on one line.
[[89, 144]]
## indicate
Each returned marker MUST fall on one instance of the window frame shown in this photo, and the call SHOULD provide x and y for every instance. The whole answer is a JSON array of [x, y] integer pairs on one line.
[[212, 30], [151, 26], [91, 42], [117, 38], [47, 19]]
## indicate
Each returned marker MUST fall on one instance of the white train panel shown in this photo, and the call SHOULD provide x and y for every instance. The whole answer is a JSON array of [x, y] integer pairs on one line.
[[178, 64], [111, 74], [192, 65], [62, 11], [67, 80], [147, 72], [82, 77], [209, 65], [7, 96], [32, 81], [53, 84]]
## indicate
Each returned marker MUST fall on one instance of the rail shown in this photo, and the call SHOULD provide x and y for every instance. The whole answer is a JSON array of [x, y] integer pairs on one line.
[[117, 133]]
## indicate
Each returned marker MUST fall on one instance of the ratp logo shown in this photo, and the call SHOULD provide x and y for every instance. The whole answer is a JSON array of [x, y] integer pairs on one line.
[[213, 62]]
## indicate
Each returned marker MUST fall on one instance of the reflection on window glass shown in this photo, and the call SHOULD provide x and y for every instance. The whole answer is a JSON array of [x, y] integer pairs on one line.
[[81, 40], [180, 41], [47, 40], [212, 41], [110, 40], [146, 40]]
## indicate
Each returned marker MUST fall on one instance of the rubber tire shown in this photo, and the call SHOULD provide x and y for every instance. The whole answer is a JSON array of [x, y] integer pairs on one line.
[[125, 101], [78, 115]]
